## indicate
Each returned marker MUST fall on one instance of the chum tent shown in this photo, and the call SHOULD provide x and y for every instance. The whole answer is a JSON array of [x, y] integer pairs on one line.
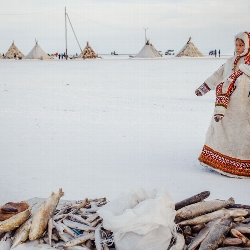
[[37, 53], [148, 51], [12, 51], [88, 52], [189, 50]]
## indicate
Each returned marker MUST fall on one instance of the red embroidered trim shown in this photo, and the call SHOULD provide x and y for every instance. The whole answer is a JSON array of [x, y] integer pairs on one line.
[[236, 62], [222, 98], [224, 163], [247, 57], [248, 38]]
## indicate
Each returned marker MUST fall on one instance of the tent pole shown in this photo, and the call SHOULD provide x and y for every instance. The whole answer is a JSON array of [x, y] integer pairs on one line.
[[145, 34], [66, 35]]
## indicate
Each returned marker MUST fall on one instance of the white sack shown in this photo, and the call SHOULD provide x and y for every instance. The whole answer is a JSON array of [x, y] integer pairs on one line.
[[140, 219]]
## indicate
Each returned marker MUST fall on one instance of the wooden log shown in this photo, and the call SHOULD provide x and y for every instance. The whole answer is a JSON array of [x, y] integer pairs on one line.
[[63, 236], [92, 218], [81, 204], [80, 239], [238, 206], [191, 200], [245, 240], [96, 222], [198, 227], [78, 218], [77, 225], [246, 221], [232, 241], [239, 219]]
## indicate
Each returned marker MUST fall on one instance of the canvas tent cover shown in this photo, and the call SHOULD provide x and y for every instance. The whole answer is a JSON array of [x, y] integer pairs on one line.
[[148, 51], [37, 53], [189, 50], [13, 50]]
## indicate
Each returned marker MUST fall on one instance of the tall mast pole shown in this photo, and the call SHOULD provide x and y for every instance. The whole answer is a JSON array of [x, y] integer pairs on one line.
[[145, 34], [66, 35]]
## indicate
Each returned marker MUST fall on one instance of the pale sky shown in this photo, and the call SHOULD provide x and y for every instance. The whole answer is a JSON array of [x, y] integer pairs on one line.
[[118, 25]]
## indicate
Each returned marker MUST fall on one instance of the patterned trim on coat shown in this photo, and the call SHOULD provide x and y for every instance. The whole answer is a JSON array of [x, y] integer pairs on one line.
[[224, 163], [204, 88], [223, 98]]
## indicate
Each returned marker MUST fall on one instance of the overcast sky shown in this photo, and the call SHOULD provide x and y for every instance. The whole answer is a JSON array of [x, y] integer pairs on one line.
[[118, 25]]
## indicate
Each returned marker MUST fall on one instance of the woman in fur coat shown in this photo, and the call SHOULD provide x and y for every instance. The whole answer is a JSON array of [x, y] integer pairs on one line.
[[227, 144]]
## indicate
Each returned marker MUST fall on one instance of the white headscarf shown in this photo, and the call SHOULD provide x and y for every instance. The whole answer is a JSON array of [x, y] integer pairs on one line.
[[245, 37]]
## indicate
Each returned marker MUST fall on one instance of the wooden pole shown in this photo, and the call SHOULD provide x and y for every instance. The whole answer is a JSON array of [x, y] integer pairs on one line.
[[74, 33], [66, 35]]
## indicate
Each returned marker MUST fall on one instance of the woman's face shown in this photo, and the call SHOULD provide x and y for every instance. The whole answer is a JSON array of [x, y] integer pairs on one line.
[[239, 46]]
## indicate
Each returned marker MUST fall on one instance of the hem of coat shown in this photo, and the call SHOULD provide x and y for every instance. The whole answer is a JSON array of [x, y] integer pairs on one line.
[[224, 173]]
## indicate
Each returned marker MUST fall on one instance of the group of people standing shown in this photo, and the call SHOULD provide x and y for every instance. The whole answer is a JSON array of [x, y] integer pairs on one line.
[[63, 55], [60, 56], [227, 144], [215, 53]]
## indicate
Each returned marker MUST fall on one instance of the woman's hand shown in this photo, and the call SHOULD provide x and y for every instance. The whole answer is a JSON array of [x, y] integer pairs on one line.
[[198, 93], [217, 118]]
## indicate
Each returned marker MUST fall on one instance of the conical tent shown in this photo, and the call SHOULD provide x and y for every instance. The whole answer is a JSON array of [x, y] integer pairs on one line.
[[189, 50], [37, 53], [12, 51], [148, 51], [88, 52]]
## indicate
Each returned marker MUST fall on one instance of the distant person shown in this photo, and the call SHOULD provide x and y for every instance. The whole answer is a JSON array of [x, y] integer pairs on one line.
[[215, 52], [219, 53], [59, 55], [227, 144]]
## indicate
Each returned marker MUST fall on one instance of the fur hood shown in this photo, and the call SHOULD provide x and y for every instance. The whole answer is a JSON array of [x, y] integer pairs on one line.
[[245, 37]]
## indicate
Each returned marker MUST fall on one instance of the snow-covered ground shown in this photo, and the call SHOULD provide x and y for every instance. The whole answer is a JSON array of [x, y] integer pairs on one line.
[[98, 127]]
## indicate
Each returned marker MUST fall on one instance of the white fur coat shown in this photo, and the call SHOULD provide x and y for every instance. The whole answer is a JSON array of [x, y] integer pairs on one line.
[[231, 135], [227, 144]]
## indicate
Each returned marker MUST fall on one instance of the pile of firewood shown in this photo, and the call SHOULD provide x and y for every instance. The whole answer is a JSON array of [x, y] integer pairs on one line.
[[12, 51], [73, 224], [88, 52], [214, 224]]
